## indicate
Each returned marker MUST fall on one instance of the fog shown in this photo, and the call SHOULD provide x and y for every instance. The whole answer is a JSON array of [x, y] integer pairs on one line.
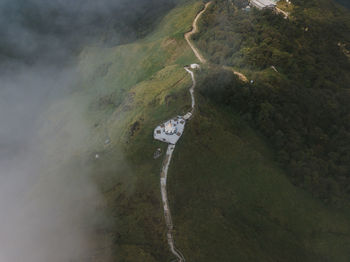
[[50, 206], [54, 29]]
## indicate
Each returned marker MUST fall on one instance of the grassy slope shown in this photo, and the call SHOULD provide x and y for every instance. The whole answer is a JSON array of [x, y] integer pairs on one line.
[[225, 208], [231, 202], [131, 88]]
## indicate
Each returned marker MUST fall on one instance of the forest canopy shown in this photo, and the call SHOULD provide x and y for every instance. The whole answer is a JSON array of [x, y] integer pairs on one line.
[[300, 94]]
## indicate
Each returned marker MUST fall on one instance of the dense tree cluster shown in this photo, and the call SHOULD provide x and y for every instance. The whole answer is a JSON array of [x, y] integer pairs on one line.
[[304, 108]]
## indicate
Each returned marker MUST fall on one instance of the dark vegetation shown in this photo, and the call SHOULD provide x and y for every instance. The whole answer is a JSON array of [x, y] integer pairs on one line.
[[304, 108], [344, 3], [232, 202]]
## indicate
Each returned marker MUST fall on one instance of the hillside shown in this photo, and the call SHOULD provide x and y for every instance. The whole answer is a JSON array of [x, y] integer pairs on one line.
[[230, 196], [300, 91], [236, 199], [233, 202], [125, 91]]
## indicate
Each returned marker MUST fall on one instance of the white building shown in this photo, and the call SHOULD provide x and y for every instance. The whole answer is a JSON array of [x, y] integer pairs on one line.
[[170, 128], [187, 116], [195, 66], [170, 131], [261, 4]]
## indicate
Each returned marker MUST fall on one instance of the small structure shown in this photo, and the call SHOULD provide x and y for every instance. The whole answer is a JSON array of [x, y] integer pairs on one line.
[[247, 8], [195, 66], [170, 131], [170, 128], [263, 4], [187, 116]]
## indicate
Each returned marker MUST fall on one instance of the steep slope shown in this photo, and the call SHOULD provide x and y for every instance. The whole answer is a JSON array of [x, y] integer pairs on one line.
[[299, 96], [230, 200], [123, 92]]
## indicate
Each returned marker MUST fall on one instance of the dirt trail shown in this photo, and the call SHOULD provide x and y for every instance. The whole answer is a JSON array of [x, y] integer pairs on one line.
[[195, 50], [194, 30], [193, 101], [241, 76], [284, 13]]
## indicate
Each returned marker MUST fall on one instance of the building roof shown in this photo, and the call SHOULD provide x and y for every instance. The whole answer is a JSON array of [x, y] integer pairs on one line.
[[263, 3], [170, 128], [175, 125]]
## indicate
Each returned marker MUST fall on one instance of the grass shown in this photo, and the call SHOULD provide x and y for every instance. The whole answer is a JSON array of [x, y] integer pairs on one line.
[[231, 202], [131, 89]]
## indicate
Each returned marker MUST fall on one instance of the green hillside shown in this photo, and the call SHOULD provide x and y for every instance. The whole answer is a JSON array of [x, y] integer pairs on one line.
[[124, 92], [231, 201], [300, 91]]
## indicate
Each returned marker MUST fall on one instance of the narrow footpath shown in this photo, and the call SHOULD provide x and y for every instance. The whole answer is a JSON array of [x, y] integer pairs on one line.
[[194, 30], [193, 102], [164, 173], [198, 54]]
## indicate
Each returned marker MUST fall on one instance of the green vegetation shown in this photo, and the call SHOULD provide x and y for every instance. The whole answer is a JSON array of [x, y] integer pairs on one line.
[[232, 202], [230, 199], [130, 89], [302, 106]]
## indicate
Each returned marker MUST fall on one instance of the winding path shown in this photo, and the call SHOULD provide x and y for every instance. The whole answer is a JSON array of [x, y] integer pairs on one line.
[[167, 214], [200, 57], [164, 173], [194, 30], [193, 101]]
